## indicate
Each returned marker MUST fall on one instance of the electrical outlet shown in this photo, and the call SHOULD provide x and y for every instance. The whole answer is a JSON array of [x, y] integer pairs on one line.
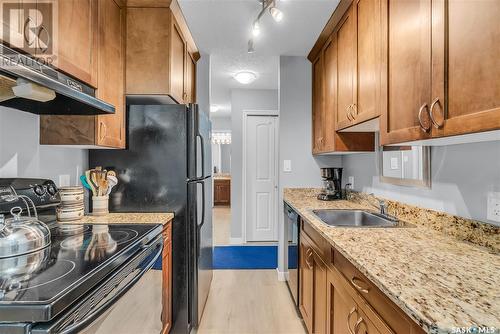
[[350, 180], [64, 180], [493, 206]]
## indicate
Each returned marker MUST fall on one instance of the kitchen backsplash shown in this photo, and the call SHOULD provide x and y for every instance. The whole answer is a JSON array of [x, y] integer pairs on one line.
[[21, 155]]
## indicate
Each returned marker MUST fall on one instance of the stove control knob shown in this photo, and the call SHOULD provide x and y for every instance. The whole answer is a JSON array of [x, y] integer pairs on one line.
[[51, 189], [39, 190]]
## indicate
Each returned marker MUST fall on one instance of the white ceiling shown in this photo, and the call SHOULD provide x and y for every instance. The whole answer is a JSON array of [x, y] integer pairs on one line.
[[222, 28]]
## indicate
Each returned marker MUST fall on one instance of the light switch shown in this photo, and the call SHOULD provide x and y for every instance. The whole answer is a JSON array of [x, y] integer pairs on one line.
[[287, 166], [394, 163]]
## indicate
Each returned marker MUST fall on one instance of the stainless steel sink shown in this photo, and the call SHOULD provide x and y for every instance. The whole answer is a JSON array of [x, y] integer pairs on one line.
[[354, 218]]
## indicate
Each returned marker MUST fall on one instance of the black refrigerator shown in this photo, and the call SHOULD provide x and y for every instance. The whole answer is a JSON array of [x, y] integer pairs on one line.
[[166, 167]]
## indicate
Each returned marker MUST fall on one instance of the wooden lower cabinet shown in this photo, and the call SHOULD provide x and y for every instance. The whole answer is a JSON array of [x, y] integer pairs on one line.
[[312, 290], [335, 298], [167, 278], [222, 192]]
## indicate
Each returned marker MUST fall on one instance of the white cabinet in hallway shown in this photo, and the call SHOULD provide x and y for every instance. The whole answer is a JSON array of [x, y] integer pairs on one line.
[[260, 177]]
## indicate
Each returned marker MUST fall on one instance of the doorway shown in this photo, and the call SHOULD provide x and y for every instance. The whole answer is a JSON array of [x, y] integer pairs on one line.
[[221, 164], [260, 176]]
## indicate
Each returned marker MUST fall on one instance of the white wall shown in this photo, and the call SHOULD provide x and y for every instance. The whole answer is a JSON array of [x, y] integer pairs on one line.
[[243, 100], [203, 83], [221, 123], [461, 175], [22, 156], [296, 136]]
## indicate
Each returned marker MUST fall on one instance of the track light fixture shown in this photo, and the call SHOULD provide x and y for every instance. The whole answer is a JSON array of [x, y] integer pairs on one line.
[[275, 13]]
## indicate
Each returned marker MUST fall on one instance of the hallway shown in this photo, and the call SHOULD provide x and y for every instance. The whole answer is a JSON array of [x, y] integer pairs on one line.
[[249, 302]]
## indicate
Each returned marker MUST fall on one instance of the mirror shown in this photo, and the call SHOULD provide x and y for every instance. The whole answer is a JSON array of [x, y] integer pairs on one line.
[[221, 152], [405, 165]]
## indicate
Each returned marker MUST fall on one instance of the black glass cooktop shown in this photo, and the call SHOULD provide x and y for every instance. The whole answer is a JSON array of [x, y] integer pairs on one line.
[[78, 258]]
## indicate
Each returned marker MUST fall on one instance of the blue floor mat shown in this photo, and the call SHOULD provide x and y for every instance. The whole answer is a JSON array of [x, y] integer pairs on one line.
[[245, 257]]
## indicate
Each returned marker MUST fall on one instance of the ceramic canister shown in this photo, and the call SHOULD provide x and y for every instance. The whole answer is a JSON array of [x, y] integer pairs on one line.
[[70, 213], [71, 195], [100, 205]]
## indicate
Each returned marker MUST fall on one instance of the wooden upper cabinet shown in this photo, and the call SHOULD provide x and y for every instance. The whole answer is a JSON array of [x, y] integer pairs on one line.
[[190, 81], [407, 80], [346, 68], [160, 53], [101, 130], [445, 82], [317, 105], [471, 102], [325, 108], [330, 93], [368, 67], [77, 39], [111, 81], [177, 63]]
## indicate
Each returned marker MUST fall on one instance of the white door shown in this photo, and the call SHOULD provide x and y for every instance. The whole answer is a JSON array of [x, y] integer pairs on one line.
[[261, 178]]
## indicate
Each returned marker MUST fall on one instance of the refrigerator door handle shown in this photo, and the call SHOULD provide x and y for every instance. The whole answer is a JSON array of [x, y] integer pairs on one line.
[[202, 148], [203, 205]]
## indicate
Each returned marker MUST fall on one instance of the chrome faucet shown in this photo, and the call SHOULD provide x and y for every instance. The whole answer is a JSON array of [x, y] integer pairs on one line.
[[382, 206]]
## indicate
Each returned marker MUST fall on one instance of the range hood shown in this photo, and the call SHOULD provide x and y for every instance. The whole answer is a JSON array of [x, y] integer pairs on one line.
[[30, 83]]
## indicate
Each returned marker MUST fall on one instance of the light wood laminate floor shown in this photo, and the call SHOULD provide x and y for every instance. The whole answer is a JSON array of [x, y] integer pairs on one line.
[[221, 218], [248, 302]]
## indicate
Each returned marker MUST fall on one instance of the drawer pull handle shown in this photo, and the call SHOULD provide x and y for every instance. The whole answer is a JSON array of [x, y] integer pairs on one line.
[[355, 281], [358, 323], [354, 310]]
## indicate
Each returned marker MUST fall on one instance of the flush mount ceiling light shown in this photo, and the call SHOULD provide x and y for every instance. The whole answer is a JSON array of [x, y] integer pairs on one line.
[[276, 14], [245, 77], [214, 108]]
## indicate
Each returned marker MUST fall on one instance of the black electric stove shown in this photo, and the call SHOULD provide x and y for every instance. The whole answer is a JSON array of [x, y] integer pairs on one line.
[[84, 266]]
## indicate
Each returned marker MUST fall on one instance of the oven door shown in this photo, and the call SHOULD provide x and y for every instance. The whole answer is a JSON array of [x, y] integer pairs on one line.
[[130, 301]]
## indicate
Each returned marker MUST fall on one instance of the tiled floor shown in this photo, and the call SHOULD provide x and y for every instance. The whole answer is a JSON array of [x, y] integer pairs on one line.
[[248, 302], [221, 220]]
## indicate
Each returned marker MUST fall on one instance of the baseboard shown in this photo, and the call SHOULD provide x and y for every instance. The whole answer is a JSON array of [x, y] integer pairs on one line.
[[282, 275], [236, 241]]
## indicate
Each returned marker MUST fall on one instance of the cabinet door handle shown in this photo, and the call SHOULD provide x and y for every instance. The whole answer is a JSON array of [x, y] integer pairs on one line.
[[102, 131], [431, 114], [358, 323], [354, 109], [42, 29], [420, 113], [354, 310], [348, 113], [354, 281], [309, 255], [26, 26]]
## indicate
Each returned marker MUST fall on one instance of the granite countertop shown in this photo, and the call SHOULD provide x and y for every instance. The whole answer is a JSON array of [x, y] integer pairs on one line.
[[439, 281], [222, 176], [126, 218]]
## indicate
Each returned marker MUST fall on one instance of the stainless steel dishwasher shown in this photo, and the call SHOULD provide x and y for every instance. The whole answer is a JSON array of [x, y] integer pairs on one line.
[[292, 251]]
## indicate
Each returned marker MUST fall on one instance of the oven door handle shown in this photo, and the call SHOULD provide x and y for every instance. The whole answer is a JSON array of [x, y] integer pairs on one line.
[[96, 313]]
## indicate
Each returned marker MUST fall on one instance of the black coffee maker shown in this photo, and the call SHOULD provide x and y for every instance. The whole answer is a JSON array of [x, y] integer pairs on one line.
[[332, 184]]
